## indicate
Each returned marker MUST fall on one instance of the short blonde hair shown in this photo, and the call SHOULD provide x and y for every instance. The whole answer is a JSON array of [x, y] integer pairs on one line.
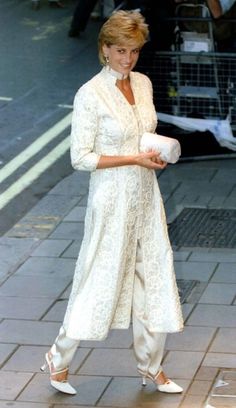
[[122, 28]]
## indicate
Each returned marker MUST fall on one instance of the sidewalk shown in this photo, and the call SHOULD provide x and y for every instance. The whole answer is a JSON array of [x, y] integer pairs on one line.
[[37, 262]]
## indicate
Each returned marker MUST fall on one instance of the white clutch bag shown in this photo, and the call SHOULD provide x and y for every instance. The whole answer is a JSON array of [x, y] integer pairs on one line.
[[168, 147]]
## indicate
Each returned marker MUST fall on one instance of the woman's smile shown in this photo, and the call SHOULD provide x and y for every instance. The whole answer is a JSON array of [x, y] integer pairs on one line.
[[121, 58]]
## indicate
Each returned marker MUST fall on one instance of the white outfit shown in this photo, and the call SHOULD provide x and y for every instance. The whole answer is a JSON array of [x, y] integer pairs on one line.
[[148, 347], [124, 206], [125, 261]]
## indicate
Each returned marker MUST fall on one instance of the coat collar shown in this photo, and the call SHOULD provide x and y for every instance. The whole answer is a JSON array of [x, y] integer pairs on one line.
[[114, 97], [109, 84]]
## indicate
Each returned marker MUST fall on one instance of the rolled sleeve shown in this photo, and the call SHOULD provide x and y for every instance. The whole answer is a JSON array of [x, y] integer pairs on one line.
[[83, 131]]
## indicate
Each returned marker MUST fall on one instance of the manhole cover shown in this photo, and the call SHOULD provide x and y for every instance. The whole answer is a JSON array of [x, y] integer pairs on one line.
[[200, 227]]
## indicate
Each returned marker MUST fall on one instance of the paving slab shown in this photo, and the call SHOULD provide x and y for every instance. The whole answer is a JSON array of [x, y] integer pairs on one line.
[[213, 316], [219, 293], [34, 286], [14, 404], [51, 247], [221, 176], [192, 270], [69, 230], [175, 199], [128, 392], [213, 256], [28, 332], [223, 393], [207, 373], [43, 217], [66, 293], [217, 202], [225, 273], [13, 252], [182, 172], [172, 209], [77, 214], [220, 402], [233, 191], [57, 311], [89, 389], [73, 250], [81, 355], [230, 203], [225, 384], [46, 206], [110, 362], [181, 255], [220, 360], [11, 383], [193, 200], [23, 307], [167, 187], [182, 364], [203, 200], [75, 184], [193, 401], [224, 340], [5, 351], [31, 358], [200, 187], [191, 339], [75, 406], [47, 267], [186, 309], [196, 293], [26, 359], [200, 387]]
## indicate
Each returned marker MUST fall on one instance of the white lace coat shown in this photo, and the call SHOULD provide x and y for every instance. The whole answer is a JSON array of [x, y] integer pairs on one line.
[[124, 205]]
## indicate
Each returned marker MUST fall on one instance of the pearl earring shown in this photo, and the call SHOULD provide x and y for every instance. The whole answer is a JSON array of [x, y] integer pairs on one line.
[[107, 59]]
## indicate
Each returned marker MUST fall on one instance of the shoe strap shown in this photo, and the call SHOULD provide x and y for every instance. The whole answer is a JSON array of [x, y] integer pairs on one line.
[[148, 375]]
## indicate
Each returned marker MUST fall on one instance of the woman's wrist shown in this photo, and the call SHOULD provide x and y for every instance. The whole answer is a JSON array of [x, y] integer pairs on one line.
[[116, 161]]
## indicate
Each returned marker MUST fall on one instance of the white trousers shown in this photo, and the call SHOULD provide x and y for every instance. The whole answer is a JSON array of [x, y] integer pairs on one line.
[[148, 346]]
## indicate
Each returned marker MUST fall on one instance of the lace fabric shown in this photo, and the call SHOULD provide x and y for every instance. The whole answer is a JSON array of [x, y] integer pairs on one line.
[[124, 205]]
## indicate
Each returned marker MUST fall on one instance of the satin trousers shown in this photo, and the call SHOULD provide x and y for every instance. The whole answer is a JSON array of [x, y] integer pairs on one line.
[[148, 346]]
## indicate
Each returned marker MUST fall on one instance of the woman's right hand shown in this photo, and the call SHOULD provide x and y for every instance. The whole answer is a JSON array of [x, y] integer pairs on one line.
[[150, 160]]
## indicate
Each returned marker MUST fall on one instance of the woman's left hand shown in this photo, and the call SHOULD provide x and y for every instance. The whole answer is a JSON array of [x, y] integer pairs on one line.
[[159, 161]]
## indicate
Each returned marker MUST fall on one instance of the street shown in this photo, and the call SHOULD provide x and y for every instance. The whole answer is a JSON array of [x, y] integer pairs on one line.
[[43, 206], [41, 69]]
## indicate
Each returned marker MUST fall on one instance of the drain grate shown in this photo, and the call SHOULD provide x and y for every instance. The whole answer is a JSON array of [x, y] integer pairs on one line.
[[185, 288], [208, 228]]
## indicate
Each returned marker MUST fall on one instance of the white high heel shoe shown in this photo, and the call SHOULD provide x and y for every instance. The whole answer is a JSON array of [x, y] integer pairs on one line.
[[168, 386], [58, 379]]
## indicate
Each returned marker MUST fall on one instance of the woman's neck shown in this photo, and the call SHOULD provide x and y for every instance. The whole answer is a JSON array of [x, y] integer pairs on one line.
[[118, 75]]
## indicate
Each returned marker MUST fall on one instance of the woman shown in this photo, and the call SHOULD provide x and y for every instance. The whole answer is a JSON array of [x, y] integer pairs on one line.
[[125, 262]]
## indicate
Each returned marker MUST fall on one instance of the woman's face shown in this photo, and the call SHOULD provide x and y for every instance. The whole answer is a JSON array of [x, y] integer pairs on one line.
[[121, 58]]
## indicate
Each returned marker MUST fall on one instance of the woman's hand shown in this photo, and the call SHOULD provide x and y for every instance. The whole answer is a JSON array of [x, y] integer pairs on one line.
[[150, 160]]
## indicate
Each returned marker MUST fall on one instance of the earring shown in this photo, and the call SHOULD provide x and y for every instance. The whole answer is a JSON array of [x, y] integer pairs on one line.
[[107, 59]]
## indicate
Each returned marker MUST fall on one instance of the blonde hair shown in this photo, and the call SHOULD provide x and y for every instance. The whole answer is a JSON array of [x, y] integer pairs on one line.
[[122, 28]]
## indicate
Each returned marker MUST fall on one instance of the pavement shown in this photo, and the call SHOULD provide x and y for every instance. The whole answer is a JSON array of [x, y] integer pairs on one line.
[[37, 260]]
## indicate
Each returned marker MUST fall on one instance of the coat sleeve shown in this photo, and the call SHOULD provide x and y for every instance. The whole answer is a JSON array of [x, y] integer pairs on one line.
[[83, 131]]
